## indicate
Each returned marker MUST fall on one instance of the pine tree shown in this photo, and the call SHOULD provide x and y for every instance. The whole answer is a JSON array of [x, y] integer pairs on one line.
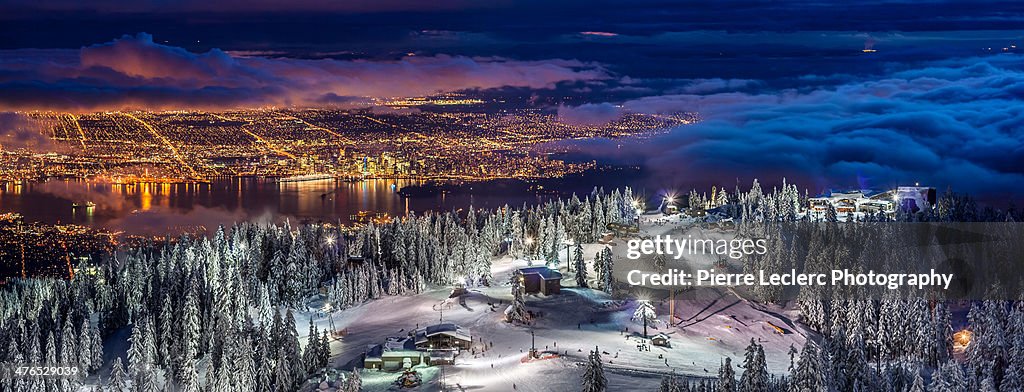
[[1013, 376], [84, 348], [918, 385], [581, 267], [831, 215], [811, 374], [517, 309], [948, 378], [311, 355], [190, 327], [593, 376], [145, 380], [726, 377], [97, 347], [722, 198], [189, 381], [283, 381], [69, 350], [324, 357], [290, 345], [792, 357], [606, 270], [755, 369], [670, 383], [942, 332], [263, 361], [598, 212], [645, 313], [141, 351], [118, 379], [243, 367], [353, 383], [165, 322]]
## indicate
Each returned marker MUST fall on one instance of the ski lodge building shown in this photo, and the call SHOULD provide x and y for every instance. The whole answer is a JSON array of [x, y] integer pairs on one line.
[[904, 198], [542, 280], [396, 353], [447, 336], [432, 345]]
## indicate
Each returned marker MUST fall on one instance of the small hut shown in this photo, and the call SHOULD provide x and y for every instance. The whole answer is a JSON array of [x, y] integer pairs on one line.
[[661, 340]]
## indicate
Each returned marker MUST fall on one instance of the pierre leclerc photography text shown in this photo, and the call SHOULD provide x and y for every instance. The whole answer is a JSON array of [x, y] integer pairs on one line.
[[341, 196]]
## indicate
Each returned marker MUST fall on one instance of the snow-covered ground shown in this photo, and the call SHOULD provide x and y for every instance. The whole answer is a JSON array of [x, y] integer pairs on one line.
[[712, 323]]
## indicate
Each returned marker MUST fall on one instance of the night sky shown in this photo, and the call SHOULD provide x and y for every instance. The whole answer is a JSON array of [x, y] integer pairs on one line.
[[782, 88]]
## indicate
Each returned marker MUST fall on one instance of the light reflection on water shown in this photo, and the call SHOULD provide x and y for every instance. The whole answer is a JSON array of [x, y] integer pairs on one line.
[[238, 198], [154, 207]]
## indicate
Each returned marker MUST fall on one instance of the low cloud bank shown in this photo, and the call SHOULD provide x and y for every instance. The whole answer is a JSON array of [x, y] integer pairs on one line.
[[954, 123], [135, 72]]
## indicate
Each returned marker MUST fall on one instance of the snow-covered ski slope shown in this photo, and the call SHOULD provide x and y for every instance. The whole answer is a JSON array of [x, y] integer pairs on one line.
[[712, 323]]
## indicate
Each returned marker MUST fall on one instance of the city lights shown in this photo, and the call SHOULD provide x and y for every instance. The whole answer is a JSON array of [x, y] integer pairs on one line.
[[195, 146]]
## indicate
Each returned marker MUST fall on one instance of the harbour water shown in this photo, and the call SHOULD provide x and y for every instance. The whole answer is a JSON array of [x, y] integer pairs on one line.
[[161, 208]]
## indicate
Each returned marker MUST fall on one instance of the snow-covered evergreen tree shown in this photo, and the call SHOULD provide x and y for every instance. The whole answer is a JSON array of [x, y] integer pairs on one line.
[[353, 383], [283, 376], [190, 327], [118, 380], [726, 377], [145, 380], [830, 214], [141, 350], [671, 383], [324, 357], [755, 369], [948, 378], [581, 267], [290, 348], [918, 385], [606, 270], [311, 355], [516, 311], [593, 375], [645, 314], [811, 373]]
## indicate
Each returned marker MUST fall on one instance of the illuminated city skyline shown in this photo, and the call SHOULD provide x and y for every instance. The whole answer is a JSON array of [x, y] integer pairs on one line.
[[176, 146]]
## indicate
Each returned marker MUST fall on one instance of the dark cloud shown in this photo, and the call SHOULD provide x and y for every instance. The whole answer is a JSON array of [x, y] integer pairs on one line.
[[133, 71], [956, 123], [232, 6]]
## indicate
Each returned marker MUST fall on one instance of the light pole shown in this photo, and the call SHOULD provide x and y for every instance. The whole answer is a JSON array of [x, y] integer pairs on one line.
[[639, 211], [533, 345], [529, 244], [440, 308], [670, 200], [330, 314], [568, 259]]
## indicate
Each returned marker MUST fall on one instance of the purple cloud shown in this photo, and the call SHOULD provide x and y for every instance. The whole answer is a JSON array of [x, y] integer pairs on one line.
[[135, 72]]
